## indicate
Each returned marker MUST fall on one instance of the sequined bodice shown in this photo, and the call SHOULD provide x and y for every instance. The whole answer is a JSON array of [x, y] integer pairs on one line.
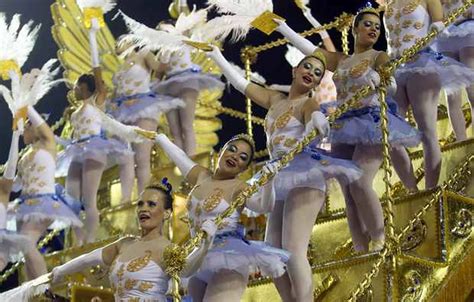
[[207, 201], [352, 74], [405, 24], [282, 128], [36, 169], [86, 121], [326, 90], [139, 279], [181, 60], [131, 79]]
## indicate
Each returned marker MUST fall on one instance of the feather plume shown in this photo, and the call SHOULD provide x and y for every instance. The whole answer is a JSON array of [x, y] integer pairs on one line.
[[27, 291], [293, 56], [221, 27], [302, 3], [105, 5], [241, 7], [190, 21], [28, 89], [124, 132], [254, 76], [17, 43], [148, 38]]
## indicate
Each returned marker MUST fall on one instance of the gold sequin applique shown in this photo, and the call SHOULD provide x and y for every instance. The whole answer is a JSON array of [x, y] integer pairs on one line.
[[213, 200], [283, 119], [145, 286], [137, 264], [358, 70], [410, 7]]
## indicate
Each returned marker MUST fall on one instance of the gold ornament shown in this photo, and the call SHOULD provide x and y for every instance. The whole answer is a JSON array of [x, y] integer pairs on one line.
[[90, 13], [6, 66], [265, 22]]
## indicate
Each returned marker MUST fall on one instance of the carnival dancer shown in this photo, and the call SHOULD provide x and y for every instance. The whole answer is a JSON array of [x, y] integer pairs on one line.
[[11, 243], [136, 266], [457, 42], [300, 187], [224, 272], [356, 134], [420, 80], [135, 104], [85, 158]]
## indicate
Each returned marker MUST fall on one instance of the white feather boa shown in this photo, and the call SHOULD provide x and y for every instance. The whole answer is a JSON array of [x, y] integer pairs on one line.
[[293, 56], [28, 89], [105, 5], [17, 43]]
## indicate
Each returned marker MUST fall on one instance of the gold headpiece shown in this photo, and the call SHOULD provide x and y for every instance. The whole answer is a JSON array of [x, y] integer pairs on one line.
[[320, 56], [367, 9], [244, 137]]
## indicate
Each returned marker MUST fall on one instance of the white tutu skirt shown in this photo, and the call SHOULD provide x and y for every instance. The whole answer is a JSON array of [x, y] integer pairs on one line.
[[129, 109], [456, 37], [46, 207], [310, 169], [231, 252], [13, 245], [192, 78], [452, 74], [95, 147]]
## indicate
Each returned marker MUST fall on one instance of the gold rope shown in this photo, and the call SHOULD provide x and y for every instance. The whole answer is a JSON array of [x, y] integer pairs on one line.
[[233, 113]]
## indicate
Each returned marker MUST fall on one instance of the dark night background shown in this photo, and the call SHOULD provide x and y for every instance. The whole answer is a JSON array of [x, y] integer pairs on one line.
[[270, 64]]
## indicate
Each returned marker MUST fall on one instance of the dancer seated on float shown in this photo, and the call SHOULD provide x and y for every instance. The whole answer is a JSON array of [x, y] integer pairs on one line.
[[11, 243], [90, 152], [224, 273], [42, 202], [135, 104], [301, 186]]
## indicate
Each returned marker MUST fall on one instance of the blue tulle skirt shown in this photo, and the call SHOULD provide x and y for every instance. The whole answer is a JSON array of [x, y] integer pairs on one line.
[[455, 37]]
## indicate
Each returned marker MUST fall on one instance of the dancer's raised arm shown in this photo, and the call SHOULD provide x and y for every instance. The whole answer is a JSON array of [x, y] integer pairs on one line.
[[44, 132], [100, 88], [327, 42]]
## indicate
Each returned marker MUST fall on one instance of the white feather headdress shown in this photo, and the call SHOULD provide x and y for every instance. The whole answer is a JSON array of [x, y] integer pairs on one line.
[[104, 5], [254, 76], [17, 43], [28, 89], [293, 56], [238, 14]]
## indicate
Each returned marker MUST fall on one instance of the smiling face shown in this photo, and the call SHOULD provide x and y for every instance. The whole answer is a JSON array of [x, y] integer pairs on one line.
[[366, 29], [308, 74], [234, 158], [151, 209]]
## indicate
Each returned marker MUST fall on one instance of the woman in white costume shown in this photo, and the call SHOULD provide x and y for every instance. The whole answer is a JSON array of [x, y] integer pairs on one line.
[[85, 158], [457, 42], [421, 80], [300, 187], [135, 104], [224, 273]]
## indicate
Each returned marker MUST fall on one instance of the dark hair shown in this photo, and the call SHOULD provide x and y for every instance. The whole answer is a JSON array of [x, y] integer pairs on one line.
[[89, 80], [361, 15], [245, 138], [166, 188]]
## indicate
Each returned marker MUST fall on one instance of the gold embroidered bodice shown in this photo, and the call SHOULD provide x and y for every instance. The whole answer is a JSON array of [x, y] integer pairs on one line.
[[139, 279], [405, 22], [131, 79], [36, 170], [86, 121]]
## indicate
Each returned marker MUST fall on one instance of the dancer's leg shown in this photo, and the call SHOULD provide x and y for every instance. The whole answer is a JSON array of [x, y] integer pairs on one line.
[[143, 154], [299, 215], [273, 237], [127, 178], [226, 286], [91, 176], [466, 56], [456, 117], [34, 261], [368, 158], [186, 118], [74, 179], [175, 127], [423, 92], [196, 289]]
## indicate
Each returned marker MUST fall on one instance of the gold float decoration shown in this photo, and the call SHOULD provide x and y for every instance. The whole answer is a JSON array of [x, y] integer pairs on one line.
[[93, 13], [6, 66]]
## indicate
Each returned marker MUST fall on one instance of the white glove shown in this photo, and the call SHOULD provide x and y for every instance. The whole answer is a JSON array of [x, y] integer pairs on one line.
[[10, 168], [392, 86], [232, 75], [181, 159], [438, 26], [76, 265], [35, 118], [374, 80], [304, 45], [209, 227], [165, 56], [95, 27], [3, 216], [319, 122], [307, 13], [270, 167]]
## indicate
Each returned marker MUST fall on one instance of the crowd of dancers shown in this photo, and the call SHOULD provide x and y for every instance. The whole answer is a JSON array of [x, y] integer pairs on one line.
[[148, 84]]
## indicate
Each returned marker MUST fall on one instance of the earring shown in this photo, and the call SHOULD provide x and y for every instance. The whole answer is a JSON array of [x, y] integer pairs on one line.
[[167, 215]]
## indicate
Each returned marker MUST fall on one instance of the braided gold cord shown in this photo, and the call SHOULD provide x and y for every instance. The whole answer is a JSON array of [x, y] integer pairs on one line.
[[248, 101], [345, 40], [385, 74], [233, 113]]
